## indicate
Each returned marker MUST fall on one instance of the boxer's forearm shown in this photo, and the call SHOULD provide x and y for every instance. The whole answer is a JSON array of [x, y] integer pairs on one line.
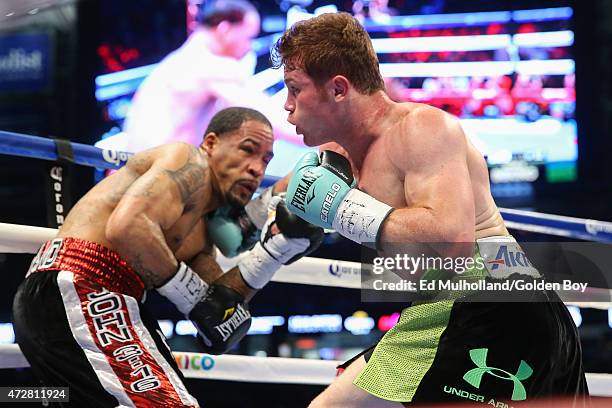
[[143, 244], [424, 225], [234, 280], [206, 267]]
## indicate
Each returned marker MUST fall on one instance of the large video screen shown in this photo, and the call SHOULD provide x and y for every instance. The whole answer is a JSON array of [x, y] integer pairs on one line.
[[508, 75]]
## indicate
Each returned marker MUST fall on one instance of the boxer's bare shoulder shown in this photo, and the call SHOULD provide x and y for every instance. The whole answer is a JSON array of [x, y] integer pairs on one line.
[[166, 183], [422, 134], [430, 144], [181, 163]]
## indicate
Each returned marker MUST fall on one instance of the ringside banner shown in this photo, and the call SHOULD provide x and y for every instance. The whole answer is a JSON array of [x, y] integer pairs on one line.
[[25, 61]]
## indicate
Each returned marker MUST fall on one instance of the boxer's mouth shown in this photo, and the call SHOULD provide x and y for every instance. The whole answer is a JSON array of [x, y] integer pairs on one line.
[[249, 186]]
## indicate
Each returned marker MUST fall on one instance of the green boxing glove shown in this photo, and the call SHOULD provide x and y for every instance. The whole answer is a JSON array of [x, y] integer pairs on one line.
[[234, 230], [321, 191]]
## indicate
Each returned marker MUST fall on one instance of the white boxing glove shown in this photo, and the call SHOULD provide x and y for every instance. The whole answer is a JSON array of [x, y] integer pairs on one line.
[[292, 239], [184, 289]]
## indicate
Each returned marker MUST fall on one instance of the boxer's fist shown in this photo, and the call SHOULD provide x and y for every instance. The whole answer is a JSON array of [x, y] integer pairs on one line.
[[232, 230], [292, 239], [222, 318], [235, 230], [284, 239], [320, 191], [318, 186]]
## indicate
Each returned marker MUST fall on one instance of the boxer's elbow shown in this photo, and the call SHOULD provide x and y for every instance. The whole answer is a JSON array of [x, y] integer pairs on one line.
[[117, 232], [124, 231], [458, 238], [457, 232]]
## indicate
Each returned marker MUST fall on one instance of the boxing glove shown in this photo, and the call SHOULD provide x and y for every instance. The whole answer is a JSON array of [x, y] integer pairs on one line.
[[321, 191]]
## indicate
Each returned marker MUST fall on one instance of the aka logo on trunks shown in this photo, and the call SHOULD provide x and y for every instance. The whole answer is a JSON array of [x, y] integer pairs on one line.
[[299, 198], [474, 377], [509, 258], [111, 327]]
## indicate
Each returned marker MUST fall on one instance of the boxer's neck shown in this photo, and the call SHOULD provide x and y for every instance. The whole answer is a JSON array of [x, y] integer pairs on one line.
[[367, 117], [213, 190]]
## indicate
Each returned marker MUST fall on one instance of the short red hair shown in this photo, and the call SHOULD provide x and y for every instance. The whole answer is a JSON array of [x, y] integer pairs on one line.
[[328, 45]]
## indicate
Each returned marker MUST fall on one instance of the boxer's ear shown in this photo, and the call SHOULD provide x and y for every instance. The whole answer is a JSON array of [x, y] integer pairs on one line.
[[341, 86], [211, 140]]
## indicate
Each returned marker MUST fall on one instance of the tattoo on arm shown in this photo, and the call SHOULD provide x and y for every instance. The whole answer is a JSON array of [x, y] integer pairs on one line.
[[139, 161], [144, 188], [150, 278], [188, 178]]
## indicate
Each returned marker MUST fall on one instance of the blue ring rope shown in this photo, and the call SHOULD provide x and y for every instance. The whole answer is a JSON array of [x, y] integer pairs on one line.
[[18, 144]]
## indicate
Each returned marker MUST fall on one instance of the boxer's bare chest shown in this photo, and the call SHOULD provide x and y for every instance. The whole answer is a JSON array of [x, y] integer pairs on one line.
[[381, 178]]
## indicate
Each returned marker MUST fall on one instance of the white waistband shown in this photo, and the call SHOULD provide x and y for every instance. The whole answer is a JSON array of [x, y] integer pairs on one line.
[[503, 256], [497, 238]]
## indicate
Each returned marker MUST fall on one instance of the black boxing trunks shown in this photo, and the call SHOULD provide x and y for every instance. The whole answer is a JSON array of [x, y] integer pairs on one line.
[[485, 354], [79, 322], [470, 349]]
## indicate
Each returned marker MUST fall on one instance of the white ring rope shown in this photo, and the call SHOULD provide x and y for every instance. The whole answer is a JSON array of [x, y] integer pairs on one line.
[[23, 239], [226, 367], [306, 271], [275, 370], [310, 271]]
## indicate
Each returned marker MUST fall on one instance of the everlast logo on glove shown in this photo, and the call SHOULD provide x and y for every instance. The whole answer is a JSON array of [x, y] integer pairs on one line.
[[302, 189], [222, 318], [239, 316]]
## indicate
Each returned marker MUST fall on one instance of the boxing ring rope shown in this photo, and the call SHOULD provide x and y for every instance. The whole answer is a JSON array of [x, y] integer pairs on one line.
[[18, 144], [227, 367], [276, 370], [309, 271], [306, 271]]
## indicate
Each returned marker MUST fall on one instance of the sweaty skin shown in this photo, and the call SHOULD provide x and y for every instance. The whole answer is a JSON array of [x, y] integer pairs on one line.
[[153, 211], [125, 205], [411, 156], [424, 156]]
